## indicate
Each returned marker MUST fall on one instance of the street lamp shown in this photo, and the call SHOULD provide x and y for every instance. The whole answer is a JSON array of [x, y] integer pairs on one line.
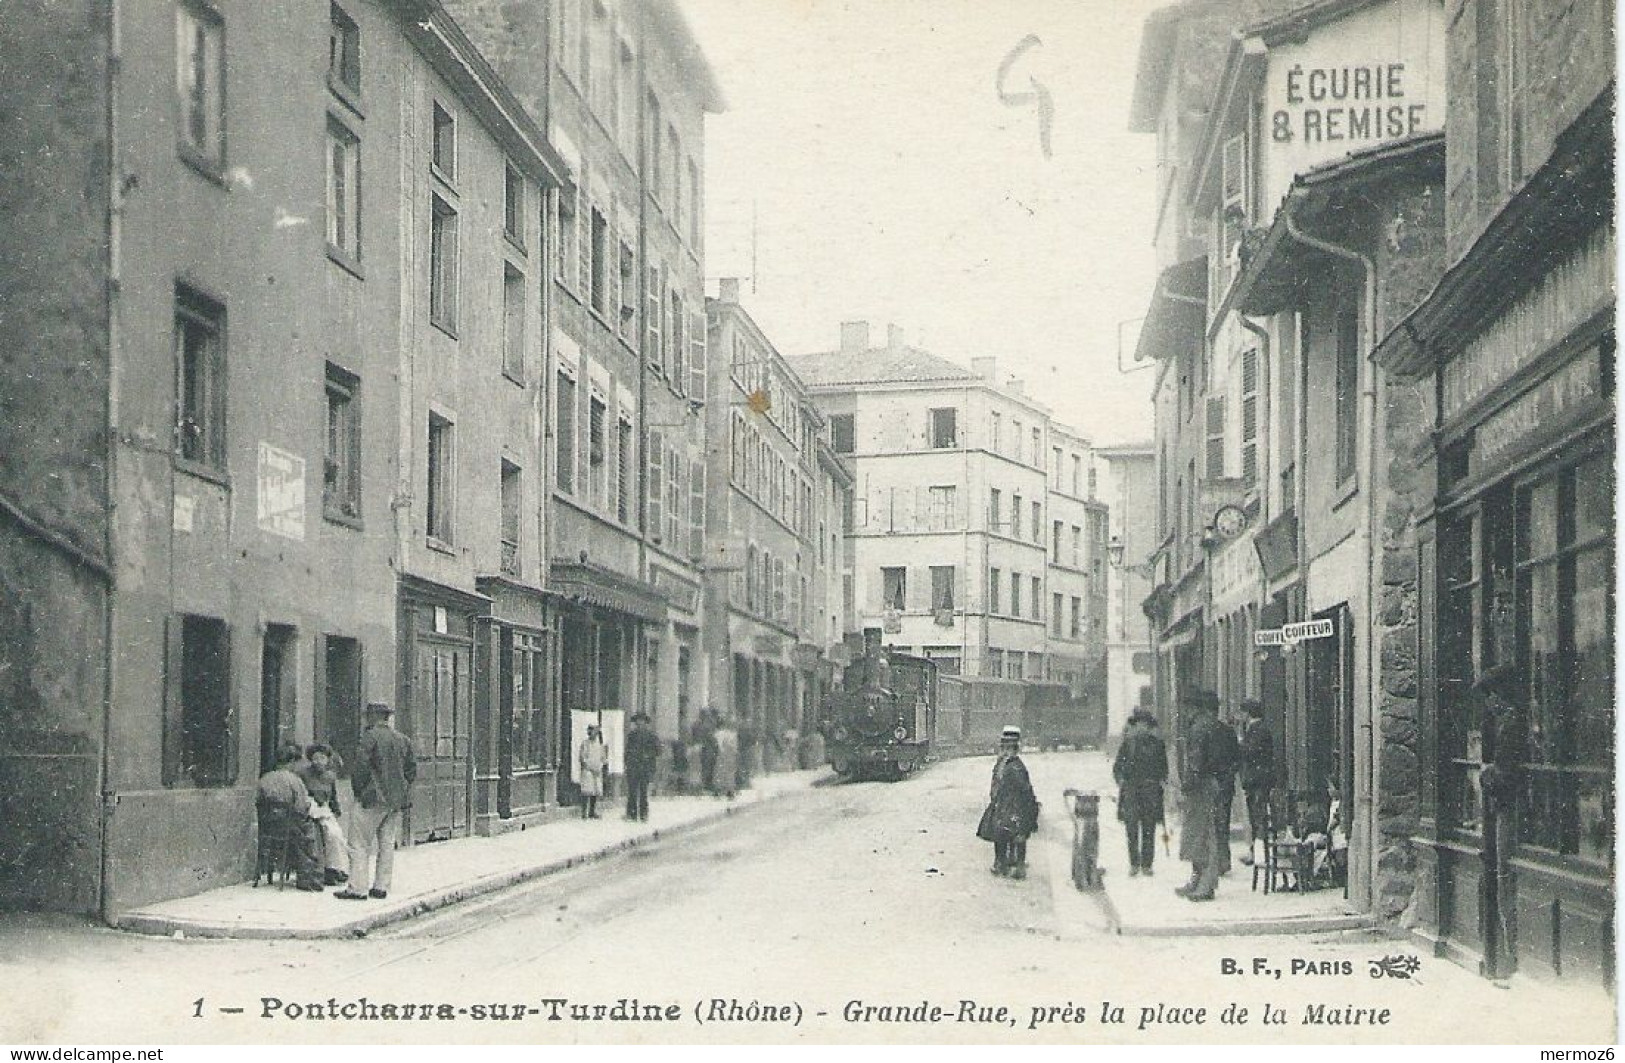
[[1114, 554]]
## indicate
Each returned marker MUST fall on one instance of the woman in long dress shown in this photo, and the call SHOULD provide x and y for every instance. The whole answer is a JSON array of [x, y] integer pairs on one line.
[[592, 760]]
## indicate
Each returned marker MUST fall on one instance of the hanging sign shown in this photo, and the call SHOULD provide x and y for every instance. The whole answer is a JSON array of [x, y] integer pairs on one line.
[[1292, 634]]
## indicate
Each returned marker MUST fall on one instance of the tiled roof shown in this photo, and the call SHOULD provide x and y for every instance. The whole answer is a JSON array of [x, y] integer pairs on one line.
[[875, 366]]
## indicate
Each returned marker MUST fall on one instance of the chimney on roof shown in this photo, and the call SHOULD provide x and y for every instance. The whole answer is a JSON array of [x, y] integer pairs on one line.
[[986, 368], [854, 337], [1017, 387], [728, 290], [894, 338]]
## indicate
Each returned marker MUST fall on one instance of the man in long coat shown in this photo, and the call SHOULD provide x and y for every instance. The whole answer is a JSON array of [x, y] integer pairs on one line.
[[1257, 773], [1140, 769], [1012, 807], [1208, 762]]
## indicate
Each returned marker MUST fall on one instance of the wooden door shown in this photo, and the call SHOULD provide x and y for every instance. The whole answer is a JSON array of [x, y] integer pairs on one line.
[[442, 719]]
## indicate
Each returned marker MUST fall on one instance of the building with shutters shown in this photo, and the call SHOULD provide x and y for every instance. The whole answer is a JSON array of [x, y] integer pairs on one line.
[[194, 568], [622, 89], [774, 616], [959, 480]]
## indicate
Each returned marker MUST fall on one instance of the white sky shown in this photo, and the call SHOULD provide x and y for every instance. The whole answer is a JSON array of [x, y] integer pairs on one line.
[[890, 183]]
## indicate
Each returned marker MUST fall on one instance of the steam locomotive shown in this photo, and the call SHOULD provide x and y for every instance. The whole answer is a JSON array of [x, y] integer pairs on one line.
[[879, 723]]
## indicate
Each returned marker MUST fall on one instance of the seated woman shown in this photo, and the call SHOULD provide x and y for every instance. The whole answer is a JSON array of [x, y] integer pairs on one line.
[[319, 771]]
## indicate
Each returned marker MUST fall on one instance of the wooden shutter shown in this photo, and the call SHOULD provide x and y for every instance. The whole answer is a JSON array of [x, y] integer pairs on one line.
[[679, 345], [655, 488], [651, 317], [696, 510], [584, 249], [1235, 172], [1215, 437], [1249, 415], [697, 355]]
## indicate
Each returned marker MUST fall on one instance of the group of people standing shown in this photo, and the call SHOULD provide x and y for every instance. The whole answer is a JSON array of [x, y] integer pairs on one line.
[[1215, 761], [298, 800]]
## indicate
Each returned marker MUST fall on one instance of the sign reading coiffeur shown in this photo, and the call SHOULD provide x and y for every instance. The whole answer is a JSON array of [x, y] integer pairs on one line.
[[1365, 103]]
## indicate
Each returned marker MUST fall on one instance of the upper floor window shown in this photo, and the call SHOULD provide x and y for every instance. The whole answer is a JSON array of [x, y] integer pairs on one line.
[[343, 52], [343, 191], [894, 588], [513, 205], [200, 356], [443, 143], [441, 481], [443, 264], [200, 81], [944, 428], [842, 433], [341, 472], [1348, 405]]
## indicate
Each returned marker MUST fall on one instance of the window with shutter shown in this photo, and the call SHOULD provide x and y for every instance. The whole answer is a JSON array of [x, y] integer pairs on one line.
[[1215, 437], [623, 477], [674, 500], [1235, 172], [1249, 415], [655, 519], [696, 510], [696, 355]]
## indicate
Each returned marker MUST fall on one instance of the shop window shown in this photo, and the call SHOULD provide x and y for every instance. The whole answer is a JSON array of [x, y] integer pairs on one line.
[[1565, 606], [200, 740], [531, 677]]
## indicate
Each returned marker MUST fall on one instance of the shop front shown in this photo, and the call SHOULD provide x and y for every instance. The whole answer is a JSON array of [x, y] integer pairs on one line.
[[435, 706], [1516, 568], [603, 616], [516, 719]]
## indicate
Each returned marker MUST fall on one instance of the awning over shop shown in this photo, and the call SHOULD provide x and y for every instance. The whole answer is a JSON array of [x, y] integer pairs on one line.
[[1275, 267], [606, 589], [1176, 314]]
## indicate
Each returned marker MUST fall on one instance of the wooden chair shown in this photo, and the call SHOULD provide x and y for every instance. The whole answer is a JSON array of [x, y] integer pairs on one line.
[[276, 856]]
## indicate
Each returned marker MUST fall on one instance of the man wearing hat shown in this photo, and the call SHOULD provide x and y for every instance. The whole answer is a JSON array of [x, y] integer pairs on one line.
[[1012, 811], [1208, 763], [382, 778], [1140, 769], [642, 755], [1257, 773]]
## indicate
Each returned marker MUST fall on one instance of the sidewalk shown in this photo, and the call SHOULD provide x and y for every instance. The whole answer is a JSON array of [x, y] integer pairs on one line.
[[1148, 907], [438, 874]]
